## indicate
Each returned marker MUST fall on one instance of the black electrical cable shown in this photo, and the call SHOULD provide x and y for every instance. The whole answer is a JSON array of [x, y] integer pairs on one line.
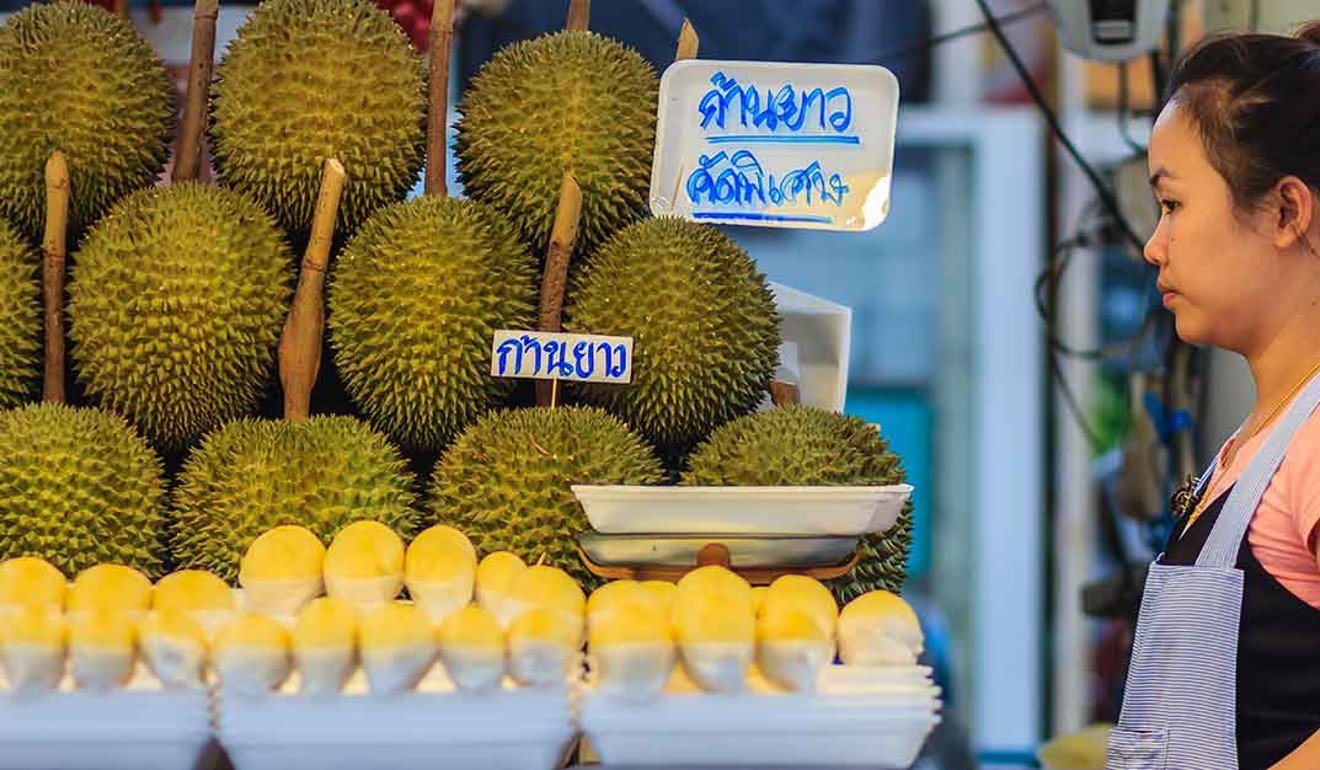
[[931, 42]]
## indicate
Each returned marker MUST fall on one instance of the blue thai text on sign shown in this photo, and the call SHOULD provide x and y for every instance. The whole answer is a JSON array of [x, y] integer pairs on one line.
[[559, 356]]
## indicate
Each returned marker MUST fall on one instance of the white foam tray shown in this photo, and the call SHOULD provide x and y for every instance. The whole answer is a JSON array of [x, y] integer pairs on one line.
[[140, 727], [856, 719], [431, 728], [742, 510]]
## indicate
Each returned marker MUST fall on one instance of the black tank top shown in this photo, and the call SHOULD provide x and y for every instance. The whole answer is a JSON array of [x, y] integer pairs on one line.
[[1278, 657]]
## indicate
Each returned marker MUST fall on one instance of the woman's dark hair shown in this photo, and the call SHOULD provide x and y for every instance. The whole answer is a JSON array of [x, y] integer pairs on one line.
[[1255, 100]]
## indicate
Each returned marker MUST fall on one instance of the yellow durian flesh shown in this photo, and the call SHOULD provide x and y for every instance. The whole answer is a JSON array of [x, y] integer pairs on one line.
[[663, 592], [632, 650], [110, 587], [717, 640], [33, 644], [807, 595], [364, 564], [878, 628], [758, 598], [281, 571], [712, 584], [472, 648], [193, 591], [542, 647], [550, 589], [440, 571], [792, 648], [252, 654], [28, 581], [325, 644], [495, 576], [398, 647], [174, 646], [102, 648]]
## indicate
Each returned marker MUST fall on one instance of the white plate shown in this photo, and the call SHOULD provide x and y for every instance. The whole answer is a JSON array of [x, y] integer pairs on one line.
[[742, 510]]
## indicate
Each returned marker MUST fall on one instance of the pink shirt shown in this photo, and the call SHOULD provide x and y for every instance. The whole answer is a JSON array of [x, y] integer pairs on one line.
[[1283, 530]]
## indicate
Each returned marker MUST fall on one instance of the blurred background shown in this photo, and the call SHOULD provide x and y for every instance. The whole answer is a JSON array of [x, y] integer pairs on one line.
[[1006, 336]]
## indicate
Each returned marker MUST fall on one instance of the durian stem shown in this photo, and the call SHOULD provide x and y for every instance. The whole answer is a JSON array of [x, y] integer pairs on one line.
[[783, 393], [121, 8], [442, 43], [555, 278], [579, 15], [188, 163], [300, 344], [688, 42], [52, 279]]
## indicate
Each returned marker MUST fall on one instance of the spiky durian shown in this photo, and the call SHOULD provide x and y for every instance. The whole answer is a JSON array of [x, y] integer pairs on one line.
[[805, 446], [703, 322], [571, 101], [79, 487], [506, 480], [76, 78], [307, 80], [252, 475], [176, 302], [415, 297], [20, 317]]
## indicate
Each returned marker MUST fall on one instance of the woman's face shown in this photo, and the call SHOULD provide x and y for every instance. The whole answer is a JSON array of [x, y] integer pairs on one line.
[[1218, 274]]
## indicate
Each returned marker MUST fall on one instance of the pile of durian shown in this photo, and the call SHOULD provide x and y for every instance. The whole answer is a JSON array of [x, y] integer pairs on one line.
[[165, 459]]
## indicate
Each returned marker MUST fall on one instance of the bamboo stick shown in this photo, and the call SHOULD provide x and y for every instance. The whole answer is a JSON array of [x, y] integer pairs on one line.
[[442, 44], [688, 42], [554, 280], [579, 15], [187, 165], [54, 247]]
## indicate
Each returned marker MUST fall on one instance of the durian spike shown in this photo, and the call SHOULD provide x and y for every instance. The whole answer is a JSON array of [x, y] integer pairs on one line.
[[187, 164], [300, 343], [55, 249], [553, 282], [442, 42], [782, 393], [688, 42], [579, 15]]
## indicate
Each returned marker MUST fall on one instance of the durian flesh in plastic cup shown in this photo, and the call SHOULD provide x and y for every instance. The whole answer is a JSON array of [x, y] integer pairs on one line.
[[364, 565], [791, 647], [325, 645], [440, 571], [282, 571], [200, 595], [717, 640], [472, 648], [543, 646], [173, 643], [398, 647], [495, 576], [550, 589], [252, 654], [28, 581], [879, 629], [33, 645], [631, 649], [110, 587], [102, 648]]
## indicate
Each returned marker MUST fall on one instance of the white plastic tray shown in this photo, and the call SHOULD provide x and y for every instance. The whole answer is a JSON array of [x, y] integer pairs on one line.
[[742, 510], [432, 728], [880, 725], [141, 727]]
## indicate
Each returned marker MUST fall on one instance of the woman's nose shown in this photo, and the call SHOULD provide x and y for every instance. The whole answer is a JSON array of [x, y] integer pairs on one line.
[[1155, 250]]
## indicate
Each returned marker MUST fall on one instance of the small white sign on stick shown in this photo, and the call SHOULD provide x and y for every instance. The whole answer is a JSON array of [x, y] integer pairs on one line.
[[775, 145], [558, 356]]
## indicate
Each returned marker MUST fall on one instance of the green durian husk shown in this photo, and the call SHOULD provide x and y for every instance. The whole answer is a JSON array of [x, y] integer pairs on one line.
[[20, 319]]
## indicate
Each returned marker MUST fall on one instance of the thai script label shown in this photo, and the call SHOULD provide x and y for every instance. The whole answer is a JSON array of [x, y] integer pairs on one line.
[[559, 356]]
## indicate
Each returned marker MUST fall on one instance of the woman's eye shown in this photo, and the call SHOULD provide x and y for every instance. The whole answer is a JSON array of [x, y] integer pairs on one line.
[[1168, 206]]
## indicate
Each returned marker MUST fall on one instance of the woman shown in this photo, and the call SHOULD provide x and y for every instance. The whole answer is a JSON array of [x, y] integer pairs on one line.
[[1226, 663]]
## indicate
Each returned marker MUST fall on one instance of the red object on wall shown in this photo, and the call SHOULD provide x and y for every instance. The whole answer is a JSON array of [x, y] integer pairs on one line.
[[414, 16]]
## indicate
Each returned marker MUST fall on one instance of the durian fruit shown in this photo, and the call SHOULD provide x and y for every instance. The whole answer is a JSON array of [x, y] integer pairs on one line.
[[78, 487], [76, 78], [176, 302], [173, 644], [28, 581], [494, 581], [398, 647], [252, 654], [111, 587], [203, 597], [251, 475], [542, 648], [20, 317], [282, 570], [550, 589], [717, 639], [306, 80], [572, 101], [879, 629], [806, 446], [33, 644], [631, 647], [415, 297], [440, 571], [102, 648], [791, 647], [703, 322], [325, 645], [364, 565], [506, 480], [807, 595], [472, 648]]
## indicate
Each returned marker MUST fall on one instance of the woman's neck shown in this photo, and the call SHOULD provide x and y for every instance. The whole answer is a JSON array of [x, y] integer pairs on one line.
[[1279, 365]]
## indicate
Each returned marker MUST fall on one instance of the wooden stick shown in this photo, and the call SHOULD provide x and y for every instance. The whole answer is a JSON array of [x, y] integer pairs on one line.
[[52, 278], [555, 278], [300, 343], [782, 393], [188, 163], [688, 42], [121, 8], [442, 43], [579, 15], [554, 392]]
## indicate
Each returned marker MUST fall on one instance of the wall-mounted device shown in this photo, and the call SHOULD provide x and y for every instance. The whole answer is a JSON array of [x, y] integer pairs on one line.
[[1110, 30]]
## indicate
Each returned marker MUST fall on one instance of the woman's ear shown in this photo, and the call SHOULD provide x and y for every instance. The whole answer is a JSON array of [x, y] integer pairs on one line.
[[1296, 212]]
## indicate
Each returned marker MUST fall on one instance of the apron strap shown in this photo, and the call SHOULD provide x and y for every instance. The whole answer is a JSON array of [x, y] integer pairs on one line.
[[1225, 539]]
